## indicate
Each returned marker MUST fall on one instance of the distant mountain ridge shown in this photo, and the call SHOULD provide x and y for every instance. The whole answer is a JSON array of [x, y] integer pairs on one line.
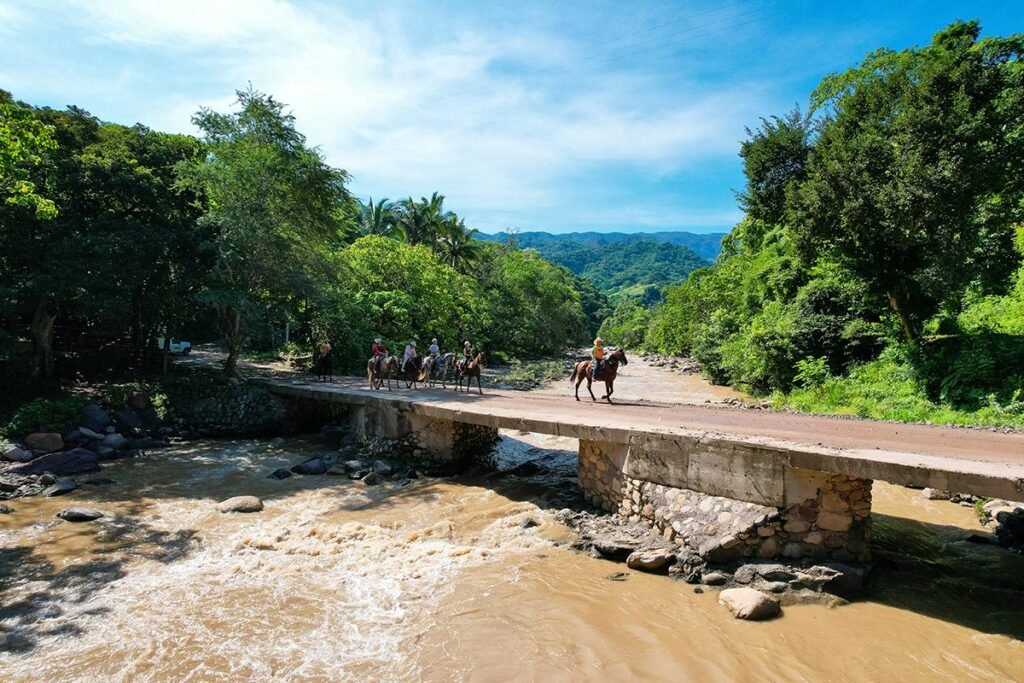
[[635, 266], [705, 245]]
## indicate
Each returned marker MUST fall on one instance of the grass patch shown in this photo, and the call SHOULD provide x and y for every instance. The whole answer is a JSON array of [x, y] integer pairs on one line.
[[887, 389], [55, 414]]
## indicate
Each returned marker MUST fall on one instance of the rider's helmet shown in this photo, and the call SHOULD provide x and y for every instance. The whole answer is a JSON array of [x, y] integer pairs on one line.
[[434, 340], [377, 340], [598, 342], [412, 343], [466, 343]]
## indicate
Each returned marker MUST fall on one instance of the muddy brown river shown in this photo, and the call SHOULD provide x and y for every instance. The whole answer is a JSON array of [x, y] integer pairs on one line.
[[455, 579]]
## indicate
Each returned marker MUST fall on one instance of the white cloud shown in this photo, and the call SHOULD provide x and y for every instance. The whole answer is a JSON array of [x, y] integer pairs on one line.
[[490, 115]]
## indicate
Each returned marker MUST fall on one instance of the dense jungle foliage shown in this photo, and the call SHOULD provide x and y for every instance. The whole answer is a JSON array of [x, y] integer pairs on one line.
[[882, 244], [111, 235]]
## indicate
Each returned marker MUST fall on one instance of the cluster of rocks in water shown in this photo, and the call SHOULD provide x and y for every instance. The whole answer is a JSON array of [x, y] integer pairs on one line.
[[1005, 518], [42, 462], [683, 366], [614, 537]]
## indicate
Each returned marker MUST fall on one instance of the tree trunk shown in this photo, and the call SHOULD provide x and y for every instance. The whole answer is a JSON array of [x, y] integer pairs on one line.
[[43, 320], [908, 330]]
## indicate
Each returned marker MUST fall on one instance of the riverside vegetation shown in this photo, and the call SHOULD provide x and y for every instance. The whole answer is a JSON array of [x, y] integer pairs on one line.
[[878, 270]]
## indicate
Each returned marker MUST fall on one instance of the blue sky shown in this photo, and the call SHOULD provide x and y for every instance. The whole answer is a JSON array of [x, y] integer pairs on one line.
[[554, 116]]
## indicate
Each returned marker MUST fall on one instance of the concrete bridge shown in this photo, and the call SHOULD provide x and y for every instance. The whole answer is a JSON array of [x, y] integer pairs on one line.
[[732, 482]]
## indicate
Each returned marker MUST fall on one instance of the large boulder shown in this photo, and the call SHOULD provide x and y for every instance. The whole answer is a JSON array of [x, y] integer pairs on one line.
[[747, 603], [59, 488], [128, 420], [44, 441], [115, 441], [63, 463], [16, 454], [241, 504], [95, 418], [81, 514], [311, 466], [651, 560], [90, 434]]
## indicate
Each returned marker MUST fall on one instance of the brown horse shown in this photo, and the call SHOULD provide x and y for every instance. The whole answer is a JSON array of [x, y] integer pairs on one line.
[[469, 371], [388, 368], [411, 374], [609, 368]]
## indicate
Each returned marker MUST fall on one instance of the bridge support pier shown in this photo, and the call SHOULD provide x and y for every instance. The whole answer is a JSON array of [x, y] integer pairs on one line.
[[727, 500], [406, 434]]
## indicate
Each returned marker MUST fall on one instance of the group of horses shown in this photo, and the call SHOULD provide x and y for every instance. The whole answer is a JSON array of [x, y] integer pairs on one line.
[[434, 369], [429, 371]]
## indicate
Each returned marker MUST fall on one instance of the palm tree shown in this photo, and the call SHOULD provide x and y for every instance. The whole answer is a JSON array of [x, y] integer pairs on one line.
[[457, 245], [378, 219], [421, 221]]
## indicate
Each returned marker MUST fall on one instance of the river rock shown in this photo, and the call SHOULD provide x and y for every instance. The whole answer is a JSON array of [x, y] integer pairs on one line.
[[241, 504], [95, 418], [75, 461], [936, 494], [279, 473], [5, 509], [382, 468], [80, 514], [311, 466], [47, 442], [59, 488], [90, 434], [768, 571], [715, 579], [653, 560], [128, 420], [750, 604], [115, 441], [371, 479], [17, 454]]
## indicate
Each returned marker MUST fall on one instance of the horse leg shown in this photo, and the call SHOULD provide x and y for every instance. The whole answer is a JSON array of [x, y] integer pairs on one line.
[[609, 389], [478, 387], [589, 389]]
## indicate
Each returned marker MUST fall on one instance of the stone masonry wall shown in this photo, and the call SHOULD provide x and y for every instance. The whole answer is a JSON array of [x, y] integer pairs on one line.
[[834, 524], [397, 433], [217, 408], [825, 516], [600, 475]]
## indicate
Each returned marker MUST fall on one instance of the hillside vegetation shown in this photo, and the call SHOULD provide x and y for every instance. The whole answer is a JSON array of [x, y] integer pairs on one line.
[[878, 270], [620, 265]]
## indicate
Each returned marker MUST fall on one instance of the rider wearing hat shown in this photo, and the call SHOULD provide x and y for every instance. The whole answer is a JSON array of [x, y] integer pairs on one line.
[[597, 355], [434, 349], [380, 351], [410, 353]]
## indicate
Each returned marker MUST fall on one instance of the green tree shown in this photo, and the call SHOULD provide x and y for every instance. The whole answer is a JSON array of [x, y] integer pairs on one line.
[[774, 159], [23, 140], [378, 219], [276, 210], [457, 245], [914, 145], [421, 222]]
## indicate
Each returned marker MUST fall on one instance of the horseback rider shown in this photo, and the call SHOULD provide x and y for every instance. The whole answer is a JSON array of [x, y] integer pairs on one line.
[[467, 354], [435, 350], [596, 356], [410, 353], [380, 352]]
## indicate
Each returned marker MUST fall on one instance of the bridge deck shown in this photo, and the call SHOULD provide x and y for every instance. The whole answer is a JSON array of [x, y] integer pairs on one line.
[[982, 462]]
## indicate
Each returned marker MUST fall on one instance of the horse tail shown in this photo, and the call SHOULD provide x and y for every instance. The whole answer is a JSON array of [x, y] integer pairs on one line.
[[575, 369]]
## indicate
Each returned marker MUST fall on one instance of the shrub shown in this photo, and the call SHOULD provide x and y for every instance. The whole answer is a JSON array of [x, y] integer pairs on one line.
[[60, 415]]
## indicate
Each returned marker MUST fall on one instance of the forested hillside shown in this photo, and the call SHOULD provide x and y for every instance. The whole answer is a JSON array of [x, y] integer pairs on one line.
[[620, 265], [878, 269], [111, 235], [706, 245]]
